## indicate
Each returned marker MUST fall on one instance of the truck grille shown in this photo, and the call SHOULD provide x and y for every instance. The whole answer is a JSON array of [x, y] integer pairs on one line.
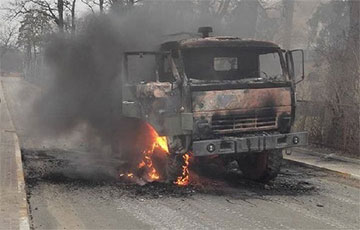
[[238, 123]]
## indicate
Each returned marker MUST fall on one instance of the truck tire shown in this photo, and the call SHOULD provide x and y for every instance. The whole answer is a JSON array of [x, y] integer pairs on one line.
[[262, 167], [174, 167], [274, 162]]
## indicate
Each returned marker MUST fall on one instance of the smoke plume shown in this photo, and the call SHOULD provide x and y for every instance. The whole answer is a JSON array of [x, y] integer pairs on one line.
[[83, 83]]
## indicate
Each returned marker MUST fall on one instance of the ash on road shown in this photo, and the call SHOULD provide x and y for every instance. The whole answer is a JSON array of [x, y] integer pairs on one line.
[[64, 195]]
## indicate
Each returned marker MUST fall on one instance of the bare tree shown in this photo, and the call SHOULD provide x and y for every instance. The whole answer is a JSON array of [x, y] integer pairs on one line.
[[60, 19], [101, 6], [354, 30], [96, 3], [120, 5], [335, 35], [288, 22], [354, 50], [73, 24], [71, 6], [53, 9], [7, 41]]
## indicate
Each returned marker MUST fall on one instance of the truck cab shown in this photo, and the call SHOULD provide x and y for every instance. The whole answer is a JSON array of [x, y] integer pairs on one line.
[[219, 96]]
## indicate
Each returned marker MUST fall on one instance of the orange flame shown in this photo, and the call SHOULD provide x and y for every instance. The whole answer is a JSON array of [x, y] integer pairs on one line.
[[157, 142], [129, 175], [141, 164], [162, 143], [183, 180], [152, 174]]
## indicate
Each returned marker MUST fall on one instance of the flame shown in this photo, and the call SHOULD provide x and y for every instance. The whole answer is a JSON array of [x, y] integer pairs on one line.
[[129, 175], [146, 170], [141, 164], [162, 143], [183, 180], [158, 141], [152, 174]]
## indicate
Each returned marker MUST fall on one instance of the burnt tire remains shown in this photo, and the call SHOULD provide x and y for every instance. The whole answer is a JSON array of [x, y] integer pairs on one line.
[[263, 166], [174, 167]]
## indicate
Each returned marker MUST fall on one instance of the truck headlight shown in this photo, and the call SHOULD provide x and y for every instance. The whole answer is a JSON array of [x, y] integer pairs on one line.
[[210, 148], [296, 140]]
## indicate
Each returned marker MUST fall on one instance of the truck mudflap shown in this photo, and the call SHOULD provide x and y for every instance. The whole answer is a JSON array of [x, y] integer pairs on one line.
[[234, 145]]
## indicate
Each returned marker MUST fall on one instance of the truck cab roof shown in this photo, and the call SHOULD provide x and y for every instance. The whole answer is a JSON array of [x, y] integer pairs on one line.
[[219, 41]]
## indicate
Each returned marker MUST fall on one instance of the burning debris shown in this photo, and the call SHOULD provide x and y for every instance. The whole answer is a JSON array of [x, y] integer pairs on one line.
[[158, 144], [153, 161], [56, 166], [183, 180]]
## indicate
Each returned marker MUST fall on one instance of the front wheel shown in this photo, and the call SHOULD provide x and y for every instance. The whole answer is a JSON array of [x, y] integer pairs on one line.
[[174, 167], [263, 166]]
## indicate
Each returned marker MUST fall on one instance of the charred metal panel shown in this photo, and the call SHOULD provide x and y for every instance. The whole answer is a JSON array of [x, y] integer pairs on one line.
[[160, 105], [130, 105], [242, 110], [226, 41], [249, 144], [260, 120], [180, 124], [171, 126], [153, 89], [207, 101], [240, 85], [187, 121], [207, 124]]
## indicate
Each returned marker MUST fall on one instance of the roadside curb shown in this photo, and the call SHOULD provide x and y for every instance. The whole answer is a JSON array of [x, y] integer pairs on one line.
[[304, 164], [329, 156], [24, 223]]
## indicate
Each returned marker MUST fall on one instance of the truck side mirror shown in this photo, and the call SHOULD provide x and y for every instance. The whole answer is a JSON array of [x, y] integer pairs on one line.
[[295, 63]]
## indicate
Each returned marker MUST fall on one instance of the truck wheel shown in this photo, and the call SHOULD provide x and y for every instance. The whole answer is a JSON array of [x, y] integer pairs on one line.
[[274, 162], [263, 166], [174, 167]]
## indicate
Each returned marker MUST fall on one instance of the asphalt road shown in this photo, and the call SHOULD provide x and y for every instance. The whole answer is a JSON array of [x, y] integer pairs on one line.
[[65, 191]]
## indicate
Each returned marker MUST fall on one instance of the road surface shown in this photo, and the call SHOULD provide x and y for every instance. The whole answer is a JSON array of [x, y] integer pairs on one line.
[[67, 192]]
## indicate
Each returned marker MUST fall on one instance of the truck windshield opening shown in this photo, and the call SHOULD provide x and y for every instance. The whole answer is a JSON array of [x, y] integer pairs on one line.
[[232, 64]]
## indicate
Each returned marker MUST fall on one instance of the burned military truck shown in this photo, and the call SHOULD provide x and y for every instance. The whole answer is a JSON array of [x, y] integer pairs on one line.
[[219, 96]]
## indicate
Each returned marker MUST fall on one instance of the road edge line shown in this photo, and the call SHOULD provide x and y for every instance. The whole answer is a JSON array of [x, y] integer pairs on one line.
[[24, 223], [343, 174]]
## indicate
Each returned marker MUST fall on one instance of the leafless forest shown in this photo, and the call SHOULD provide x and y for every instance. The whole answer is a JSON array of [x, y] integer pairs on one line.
[[37, 33]]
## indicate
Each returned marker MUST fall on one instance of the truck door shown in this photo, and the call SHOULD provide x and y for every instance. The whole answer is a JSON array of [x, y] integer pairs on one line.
[[295, 64], [138, 68]]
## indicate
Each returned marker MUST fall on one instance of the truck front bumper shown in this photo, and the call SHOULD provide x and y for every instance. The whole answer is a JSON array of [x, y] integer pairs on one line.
[[232, 145]]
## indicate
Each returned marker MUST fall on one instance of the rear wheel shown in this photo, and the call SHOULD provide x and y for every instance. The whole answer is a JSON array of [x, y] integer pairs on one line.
[[263, 166]]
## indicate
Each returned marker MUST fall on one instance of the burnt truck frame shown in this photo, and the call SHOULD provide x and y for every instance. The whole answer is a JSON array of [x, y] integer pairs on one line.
[[220, 113]]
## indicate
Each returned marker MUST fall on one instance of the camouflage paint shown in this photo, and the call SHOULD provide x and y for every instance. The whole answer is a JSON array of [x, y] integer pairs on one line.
[[241, 110]]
